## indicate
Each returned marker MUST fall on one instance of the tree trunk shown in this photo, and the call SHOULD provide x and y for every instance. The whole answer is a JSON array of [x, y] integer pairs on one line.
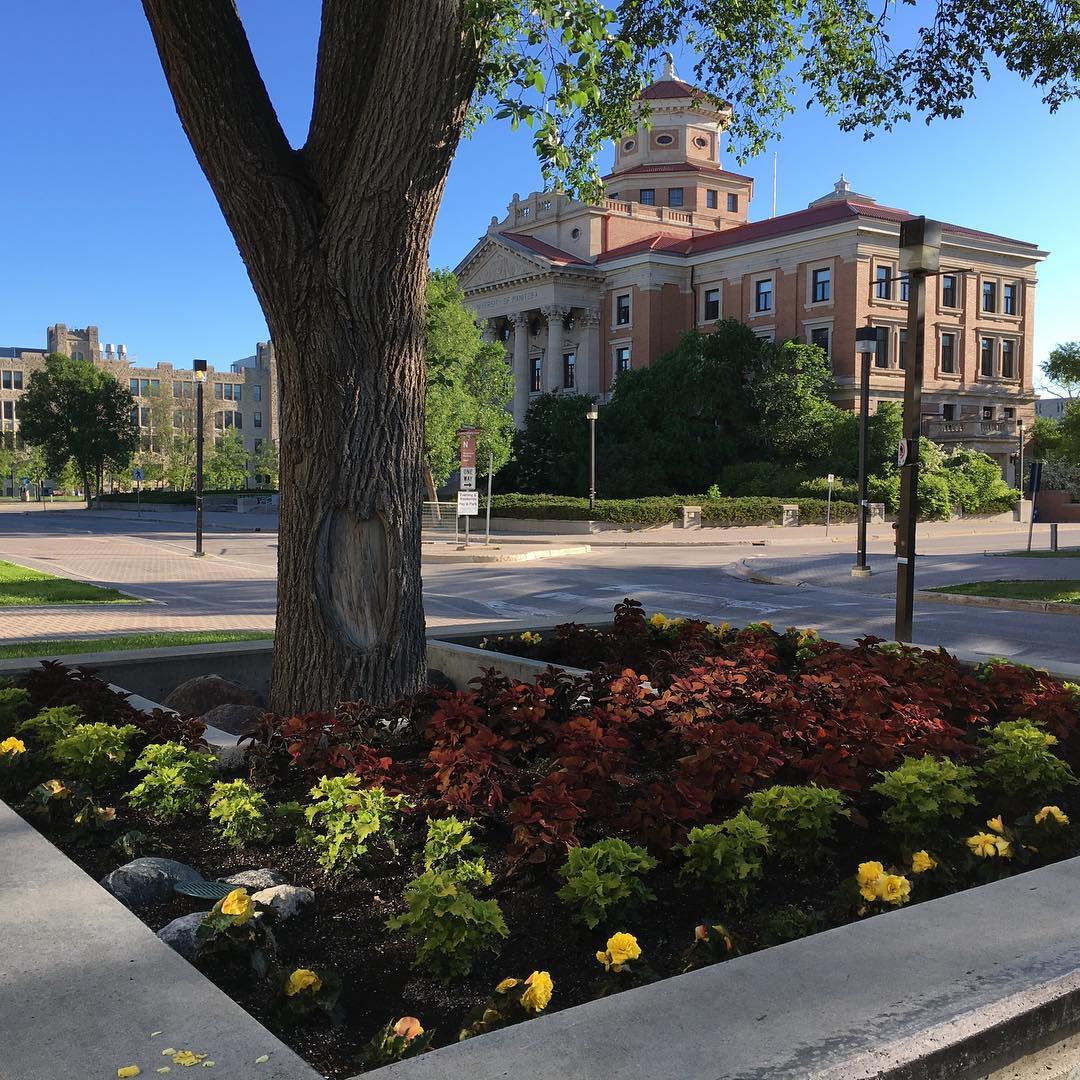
[[335, 238]]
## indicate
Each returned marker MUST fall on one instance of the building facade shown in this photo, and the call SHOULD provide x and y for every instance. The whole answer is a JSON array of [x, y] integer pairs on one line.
[[579, 293], [242, 399]]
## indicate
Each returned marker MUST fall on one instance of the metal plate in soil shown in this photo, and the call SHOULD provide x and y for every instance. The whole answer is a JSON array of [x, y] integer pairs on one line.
[[206, 890]]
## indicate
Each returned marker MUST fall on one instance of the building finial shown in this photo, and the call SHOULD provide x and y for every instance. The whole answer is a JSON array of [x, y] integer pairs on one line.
[[669, 66], [842, 187]]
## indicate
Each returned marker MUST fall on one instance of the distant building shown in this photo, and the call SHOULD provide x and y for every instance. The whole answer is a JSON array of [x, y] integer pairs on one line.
[[1051, 408], [580, 293]]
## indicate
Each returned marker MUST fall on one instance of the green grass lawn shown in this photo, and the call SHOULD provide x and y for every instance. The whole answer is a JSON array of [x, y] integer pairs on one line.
[[20, 587], [66, 647], [1053, 591], [1061, 553]]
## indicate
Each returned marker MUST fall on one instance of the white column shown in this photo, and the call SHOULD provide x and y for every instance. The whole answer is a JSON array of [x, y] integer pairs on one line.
[[553, 372], [588, 354], [522, 375]]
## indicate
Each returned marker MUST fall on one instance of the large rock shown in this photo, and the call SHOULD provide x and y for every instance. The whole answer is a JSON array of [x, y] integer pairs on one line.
[[234, 719], [286, 900], [256, 879], [180, 933], [198, 696], [148, 880]]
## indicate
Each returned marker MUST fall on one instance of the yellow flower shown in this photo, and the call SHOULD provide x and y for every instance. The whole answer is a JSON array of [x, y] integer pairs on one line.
[[869, 872], [621, 948], [127, 1070], [239, 904], [1054, 812], [983, 844], [659, 621], [56, 789], [408, 1027], [302, 979], [15, 746], [530, 638], [995, 824], [506, 984], [894, 889], [536, 997], [1004, 848], [869, 891], [922, 861]]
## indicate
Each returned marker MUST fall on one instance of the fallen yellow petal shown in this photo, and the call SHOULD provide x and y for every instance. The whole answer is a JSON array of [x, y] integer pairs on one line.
[[128, 1070], [187, 1058], [262, 1059], [207, 1064], [168, 1051], [154, 1034], [163, 1069]]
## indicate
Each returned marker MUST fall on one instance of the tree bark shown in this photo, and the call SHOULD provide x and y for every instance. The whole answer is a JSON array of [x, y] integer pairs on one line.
[[335, 238]]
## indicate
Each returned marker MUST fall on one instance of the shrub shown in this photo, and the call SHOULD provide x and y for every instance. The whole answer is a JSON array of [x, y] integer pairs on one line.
[[242, 813], [350, 816], [1019, 765], [13, 703], [603, 876], [51, 724], [800, 819], [176, 780], [449, 840], [729, 857], [923, 795], [450, 925], [94, 752]]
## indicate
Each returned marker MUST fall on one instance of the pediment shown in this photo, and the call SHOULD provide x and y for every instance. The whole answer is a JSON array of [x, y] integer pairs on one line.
[[495, 264]]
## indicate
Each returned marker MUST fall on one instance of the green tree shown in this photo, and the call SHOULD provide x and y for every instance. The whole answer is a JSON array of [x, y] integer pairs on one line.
[[264, 463], [335, 234], [227, 467], [551, 449], [76, 410], [1045, 441], [1063, 366]]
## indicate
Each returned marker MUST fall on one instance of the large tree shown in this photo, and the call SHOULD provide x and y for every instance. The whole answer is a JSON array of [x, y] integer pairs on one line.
[[335, 234], [75, 410]]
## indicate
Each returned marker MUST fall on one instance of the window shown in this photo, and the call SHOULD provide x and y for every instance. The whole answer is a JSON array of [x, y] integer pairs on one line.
[[948, 412], [948, 290], [1008, 360], [710, 199], [133, 386], [17, 376], [881, 353], [712, 305], [733, 203], [236, 392], [9, 410], [819, 336], [675, 196], [177, 389], [1008, 299], [537, 376], [144, 417], [989, 296], [239, 419], [622, 359], [569, 362], [134, 414], [986, 357], [901, 349], [622, 310], [219, 391], [664, 140], [6, 383], [904, 287], [882, 284], [228, 391], [988, 412], [258, 444], [763, 294], [257, 421], [647, 196], [178, 419], [257, 392], [948, 354], [1009, 413], [821, 285]]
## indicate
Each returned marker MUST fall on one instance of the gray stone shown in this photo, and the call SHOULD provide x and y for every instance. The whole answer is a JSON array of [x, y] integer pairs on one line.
[[286, 900], [198, 696], [256, 879], [234, 719], [149, 880], [180, 933]]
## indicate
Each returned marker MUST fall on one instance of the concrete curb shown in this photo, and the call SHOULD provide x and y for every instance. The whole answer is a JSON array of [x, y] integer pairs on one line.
[[488, 555], [1005, 603]]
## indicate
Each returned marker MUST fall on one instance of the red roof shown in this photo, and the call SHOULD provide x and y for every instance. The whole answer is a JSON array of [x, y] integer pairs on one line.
[[669, 88], [552, 254], [799, 221], [679, 166]]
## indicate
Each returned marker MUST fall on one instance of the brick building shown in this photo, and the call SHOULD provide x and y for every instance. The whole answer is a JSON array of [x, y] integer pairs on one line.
[[243, 398], [581, 292]]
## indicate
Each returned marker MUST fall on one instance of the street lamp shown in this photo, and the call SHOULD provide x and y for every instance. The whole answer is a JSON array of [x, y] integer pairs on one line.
[[199, 367], [920, 257], [866, 345], [591, 415], [1020, 463]]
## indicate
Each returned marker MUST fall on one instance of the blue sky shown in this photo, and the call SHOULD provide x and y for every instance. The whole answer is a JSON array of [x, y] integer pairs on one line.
[[108, 219]]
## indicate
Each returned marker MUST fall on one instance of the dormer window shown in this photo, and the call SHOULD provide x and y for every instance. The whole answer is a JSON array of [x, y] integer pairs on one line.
[[664, 140], [628, 146], [701, 142]]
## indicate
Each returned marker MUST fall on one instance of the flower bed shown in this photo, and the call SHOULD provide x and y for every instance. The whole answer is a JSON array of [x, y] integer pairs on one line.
[[480, 857]]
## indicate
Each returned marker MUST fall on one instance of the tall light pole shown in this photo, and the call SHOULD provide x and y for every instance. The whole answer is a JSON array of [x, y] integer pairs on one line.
[[866, 345], [920, 256], [591, 415], [1020, 463], [199, 367]]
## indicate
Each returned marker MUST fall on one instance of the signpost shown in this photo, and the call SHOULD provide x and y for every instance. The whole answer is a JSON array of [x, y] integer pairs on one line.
[[468, 501], [137, 475], [1034, 484], [828, 504]]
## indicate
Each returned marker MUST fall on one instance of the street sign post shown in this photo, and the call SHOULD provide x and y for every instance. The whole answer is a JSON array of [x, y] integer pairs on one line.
[[467, 485], [828, 505], [468, 505], [468, 478], [137, 475]]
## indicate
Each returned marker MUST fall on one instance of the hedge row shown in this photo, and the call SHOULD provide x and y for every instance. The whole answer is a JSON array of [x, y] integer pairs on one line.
[[178, 498], [663, 509]]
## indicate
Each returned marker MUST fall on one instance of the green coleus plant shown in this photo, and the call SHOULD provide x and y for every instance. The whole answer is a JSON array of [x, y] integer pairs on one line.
[[924, 797], [800, 817], [243, 815], [95, 753], [604, 876], [1019, 764], [175, 782], [729, 857], [350, 818]]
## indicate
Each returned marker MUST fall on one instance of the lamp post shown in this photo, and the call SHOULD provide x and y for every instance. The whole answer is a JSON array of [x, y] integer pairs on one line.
[[199, 367], [920, 257], [866, 344], [1020, 462], [591, 415]]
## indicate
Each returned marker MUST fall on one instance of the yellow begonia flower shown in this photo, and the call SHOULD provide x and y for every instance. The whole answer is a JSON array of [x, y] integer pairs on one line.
[[922, 861], [506, 984], [1055, 813], [620, 949], [1004, 848], [659, 621], [868, 873], [302, 979], [238, 904], [536, 997], [869, 891], [408, 1027], [995, 824], [57, 789], [983, 844], [894, 889], [15, 746]]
